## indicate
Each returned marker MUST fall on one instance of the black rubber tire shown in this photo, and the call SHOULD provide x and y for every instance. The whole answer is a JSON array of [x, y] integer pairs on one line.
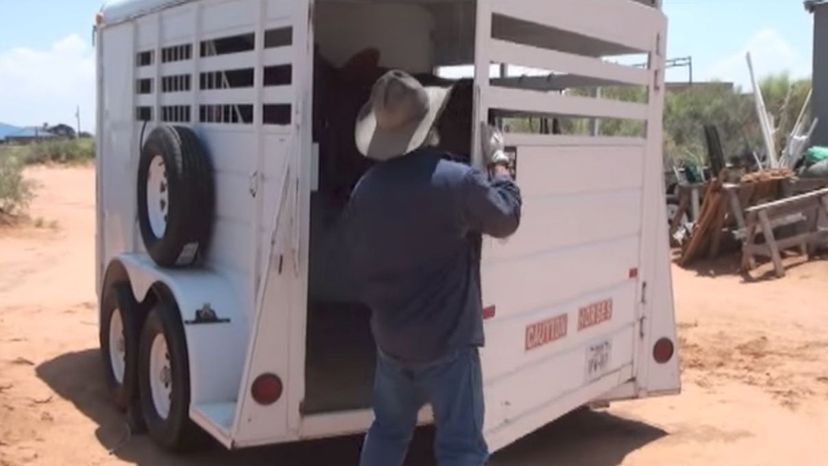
[[177, 432], [191, 196], [117, 297]]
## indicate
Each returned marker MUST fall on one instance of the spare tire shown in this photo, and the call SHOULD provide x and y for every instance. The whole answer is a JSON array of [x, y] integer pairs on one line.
[[175, 196]]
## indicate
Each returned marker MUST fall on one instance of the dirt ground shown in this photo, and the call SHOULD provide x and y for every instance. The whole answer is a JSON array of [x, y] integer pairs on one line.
[[754, 357]]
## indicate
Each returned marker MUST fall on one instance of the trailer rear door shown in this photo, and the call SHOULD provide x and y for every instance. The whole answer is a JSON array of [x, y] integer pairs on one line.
[[563, 296]]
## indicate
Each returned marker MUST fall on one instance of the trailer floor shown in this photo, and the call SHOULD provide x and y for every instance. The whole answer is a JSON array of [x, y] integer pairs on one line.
[[340, 359]]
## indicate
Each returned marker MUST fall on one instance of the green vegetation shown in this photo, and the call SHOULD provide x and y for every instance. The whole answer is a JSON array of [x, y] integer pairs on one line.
[[734, 114], [68, 151], [688, 109], [15, 190]]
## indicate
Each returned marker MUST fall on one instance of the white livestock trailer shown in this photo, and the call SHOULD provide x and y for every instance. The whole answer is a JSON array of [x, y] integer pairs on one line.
[[217, 145]]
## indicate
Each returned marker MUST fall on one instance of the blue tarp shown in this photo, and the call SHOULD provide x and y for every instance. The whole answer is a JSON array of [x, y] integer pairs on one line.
[[14, 132], [6, 130]]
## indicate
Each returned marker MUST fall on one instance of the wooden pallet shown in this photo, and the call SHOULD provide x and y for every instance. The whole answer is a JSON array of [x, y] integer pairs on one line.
[[724, 204]]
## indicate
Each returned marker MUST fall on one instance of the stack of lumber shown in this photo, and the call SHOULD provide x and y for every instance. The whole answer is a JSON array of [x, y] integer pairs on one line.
[[754, 188]]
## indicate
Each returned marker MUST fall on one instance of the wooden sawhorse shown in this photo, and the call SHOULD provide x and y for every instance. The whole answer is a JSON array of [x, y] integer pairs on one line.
[[763, 218]]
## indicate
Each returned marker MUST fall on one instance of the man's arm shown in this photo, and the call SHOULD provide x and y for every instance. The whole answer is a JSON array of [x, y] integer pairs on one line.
[[492, 207]]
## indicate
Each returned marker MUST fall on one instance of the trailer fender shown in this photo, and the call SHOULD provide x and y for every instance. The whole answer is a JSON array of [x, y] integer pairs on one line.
[[209, 308]]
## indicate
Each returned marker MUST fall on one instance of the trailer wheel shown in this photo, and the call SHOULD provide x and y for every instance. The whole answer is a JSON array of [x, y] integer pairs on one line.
[[164, 381], [175, 196], [120, 331]]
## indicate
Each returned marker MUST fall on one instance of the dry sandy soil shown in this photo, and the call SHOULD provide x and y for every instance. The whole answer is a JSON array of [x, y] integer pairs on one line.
[[754, 358]]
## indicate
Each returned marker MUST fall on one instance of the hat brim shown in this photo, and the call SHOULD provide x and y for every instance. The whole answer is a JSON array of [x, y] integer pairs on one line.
[[381, 145]]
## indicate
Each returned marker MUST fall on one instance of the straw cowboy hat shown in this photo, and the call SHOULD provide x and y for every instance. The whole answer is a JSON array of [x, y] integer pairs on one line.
[[398, 117]]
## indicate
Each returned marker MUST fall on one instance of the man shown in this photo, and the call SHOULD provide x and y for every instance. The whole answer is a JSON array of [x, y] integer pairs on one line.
[[412, 229]]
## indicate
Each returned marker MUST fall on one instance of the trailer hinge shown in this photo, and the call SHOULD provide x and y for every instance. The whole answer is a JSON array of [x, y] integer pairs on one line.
[[658, 44], [644, 293], [643, 316]]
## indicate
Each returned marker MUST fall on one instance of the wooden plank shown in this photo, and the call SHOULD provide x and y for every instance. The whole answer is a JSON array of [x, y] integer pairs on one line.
[[824, 202], [716, 229], [806, 185], [748, 262], [675, 222], [791, 201], [770, 239], [701, 232], [695, 201], [735, 206], [813, 226], [523, 101], [562, 62], [790, 209], [782, 244]]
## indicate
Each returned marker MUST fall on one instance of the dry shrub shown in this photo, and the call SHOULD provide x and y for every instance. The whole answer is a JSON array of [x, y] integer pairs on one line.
[[15, 190]]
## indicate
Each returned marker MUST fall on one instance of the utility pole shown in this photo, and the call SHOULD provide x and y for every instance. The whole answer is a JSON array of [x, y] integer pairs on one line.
[[682, 62], [77, 116]]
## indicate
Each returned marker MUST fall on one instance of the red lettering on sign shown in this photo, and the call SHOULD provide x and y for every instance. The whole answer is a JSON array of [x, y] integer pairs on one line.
[[594, 314], [543, 333]]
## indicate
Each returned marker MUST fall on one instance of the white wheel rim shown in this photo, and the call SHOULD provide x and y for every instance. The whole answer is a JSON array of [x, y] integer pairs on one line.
[[117, 346], [160, 376], [158, 196]]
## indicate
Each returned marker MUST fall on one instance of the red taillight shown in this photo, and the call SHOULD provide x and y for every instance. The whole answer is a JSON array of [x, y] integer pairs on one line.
[[663, 350], [266, 389], [99, 18]]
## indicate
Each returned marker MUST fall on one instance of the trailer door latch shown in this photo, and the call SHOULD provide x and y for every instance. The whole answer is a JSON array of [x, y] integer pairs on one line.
[[206, 315], [254, 183]]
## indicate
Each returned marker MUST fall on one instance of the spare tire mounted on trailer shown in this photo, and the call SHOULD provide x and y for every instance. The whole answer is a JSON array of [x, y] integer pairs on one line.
[[175, 196]]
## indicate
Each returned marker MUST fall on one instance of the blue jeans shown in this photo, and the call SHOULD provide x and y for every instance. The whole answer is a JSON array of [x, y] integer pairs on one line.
[[454, 387]]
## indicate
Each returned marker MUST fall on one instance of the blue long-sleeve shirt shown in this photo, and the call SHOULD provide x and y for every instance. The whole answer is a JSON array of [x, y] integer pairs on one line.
[[412, 231]]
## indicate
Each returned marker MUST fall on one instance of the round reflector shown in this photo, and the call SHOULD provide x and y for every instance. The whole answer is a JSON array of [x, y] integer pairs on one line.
[[663, 350], [266, 389]]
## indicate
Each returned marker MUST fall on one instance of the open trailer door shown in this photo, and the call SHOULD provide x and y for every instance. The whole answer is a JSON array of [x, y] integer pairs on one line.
[[568, 317]]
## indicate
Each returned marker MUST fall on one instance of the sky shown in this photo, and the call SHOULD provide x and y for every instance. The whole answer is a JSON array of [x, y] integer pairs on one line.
[[47, 61]]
